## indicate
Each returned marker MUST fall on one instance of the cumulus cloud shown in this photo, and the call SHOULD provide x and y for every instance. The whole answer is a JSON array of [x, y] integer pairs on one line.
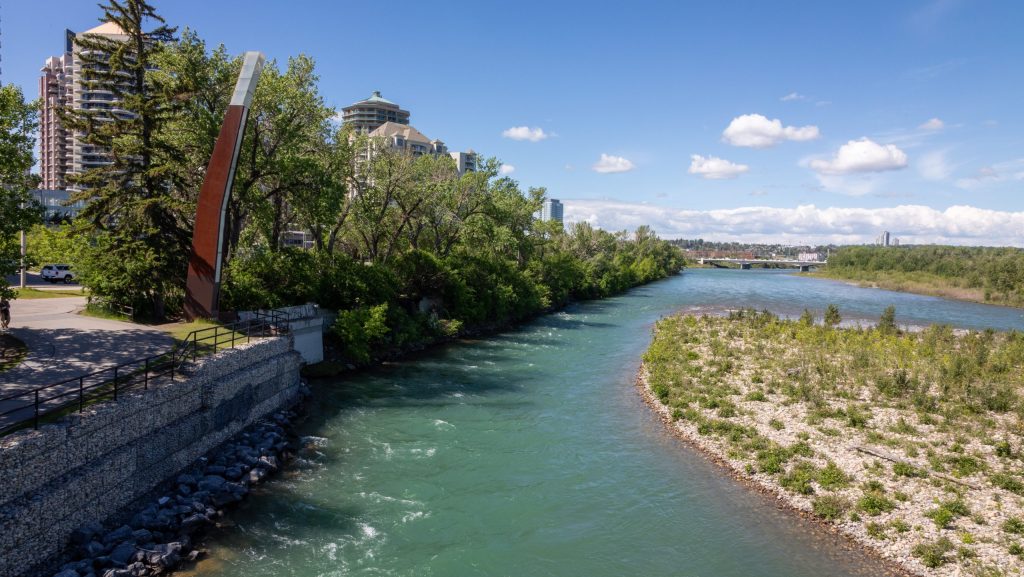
[[793, 96], [535, 134], [864, 155], [932, 124], [715, 168], [506, 169], [914, 224], [756, 131], [610, 164]]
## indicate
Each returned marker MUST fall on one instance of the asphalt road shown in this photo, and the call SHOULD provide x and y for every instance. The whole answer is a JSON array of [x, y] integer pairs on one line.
[[63, 345]]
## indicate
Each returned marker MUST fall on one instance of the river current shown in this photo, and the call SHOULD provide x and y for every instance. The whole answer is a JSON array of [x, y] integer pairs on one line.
[[530, 453]]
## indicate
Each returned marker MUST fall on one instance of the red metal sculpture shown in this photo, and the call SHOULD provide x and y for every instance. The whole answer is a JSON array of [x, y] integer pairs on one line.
[[202, 287]]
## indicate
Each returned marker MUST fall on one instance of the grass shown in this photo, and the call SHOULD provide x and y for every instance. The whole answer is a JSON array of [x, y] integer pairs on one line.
[[97, 312], [12, 352], [32, 294]]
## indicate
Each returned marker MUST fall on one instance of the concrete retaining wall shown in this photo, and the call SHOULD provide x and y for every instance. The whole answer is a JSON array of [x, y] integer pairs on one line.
[[91, 466]]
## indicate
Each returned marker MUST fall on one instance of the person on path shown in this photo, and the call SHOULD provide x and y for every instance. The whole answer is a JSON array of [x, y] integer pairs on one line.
[[5, 313]]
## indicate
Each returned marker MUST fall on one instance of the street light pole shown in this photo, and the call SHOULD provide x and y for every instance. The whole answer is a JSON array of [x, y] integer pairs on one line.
[[23, 246]]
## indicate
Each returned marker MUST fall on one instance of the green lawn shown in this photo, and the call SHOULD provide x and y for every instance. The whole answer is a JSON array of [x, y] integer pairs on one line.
[[31, 293]]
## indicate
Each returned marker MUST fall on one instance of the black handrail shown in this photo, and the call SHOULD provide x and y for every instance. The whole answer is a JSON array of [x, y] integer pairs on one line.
[[73, 394]]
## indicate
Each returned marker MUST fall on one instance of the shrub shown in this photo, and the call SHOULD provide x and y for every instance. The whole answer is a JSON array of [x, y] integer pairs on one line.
[[1003, 449], [875, 503], [361, 330], [799, 478], [876, 530], [1008, 482], [832, 316], [887, 322], [903, 469], [1014, 525], [832, 477], [933, 554], [941, 516], [756, 396], [830, 507]]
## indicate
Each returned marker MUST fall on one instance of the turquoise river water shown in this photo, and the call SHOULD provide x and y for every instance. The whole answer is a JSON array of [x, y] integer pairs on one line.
[[531, 454]]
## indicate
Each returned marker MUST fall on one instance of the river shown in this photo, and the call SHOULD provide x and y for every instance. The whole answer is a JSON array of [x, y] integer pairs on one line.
[[531, 454]]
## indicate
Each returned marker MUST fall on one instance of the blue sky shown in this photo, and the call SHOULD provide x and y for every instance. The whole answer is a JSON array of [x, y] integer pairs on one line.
[[795, 121]]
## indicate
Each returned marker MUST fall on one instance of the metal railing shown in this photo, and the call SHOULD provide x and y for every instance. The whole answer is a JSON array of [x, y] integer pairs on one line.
[[50, 402]]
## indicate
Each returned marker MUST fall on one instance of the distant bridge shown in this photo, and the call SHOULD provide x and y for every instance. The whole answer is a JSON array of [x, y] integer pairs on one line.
[[745, 263]]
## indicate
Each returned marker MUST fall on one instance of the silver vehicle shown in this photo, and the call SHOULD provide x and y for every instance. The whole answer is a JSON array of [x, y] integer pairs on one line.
[[58, 273]]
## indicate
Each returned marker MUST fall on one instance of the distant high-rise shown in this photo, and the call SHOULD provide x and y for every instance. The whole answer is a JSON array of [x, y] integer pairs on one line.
[[551, 210], [883, 239], [465, 161], [368, 115], [63, 85], [55, 143]]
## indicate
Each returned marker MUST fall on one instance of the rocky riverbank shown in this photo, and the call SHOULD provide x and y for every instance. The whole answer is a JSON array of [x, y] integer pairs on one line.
[[166, 532], [883, 457]]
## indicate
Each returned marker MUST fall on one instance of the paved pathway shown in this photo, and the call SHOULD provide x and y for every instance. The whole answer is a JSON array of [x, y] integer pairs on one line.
[[63, 344]]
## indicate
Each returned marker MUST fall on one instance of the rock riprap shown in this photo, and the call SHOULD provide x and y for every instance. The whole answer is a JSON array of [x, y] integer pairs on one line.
[[165, 533]]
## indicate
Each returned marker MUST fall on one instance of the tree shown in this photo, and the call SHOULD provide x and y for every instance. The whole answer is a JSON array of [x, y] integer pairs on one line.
[[133, 201], [887, 322], [17, 127], [807, 319], [832, 316]]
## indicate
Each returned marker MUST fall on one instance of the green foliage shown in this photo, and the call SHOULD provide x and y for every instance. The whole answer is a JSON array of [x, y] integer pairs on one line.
[[830, 507], [998, 273], [799, 478], [360, 331], [875, 503], [18, 120], [933, 554], [832, 477], [887, 322], [832, 316], [1014, 525], [132, 203], [1009, 482]]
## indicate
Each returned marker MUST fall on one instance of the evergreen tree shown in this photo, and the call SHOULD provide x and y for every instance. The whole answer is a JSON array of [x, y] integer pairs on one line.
[[887, 322], [17, 210], [832, 316], [132, 201]]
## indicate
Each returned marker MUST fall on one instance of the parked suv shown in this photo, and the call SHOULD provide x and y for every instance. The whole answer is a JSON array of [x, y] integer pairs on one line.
[[58, 272]]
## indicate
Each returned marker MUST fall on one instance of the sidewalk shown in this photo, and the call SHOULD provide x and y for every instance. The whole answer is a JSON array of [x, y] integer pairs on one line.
[[63, 344]]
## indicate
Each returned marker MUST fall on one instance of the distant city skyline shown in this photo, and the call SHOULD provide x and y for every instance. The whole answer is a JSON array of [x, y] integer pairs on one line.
[[805, 123]]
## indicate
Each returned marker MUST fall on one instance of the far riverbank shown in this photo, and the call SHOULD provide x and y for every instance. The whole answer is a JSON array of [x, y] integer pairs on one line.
[[927, 285]]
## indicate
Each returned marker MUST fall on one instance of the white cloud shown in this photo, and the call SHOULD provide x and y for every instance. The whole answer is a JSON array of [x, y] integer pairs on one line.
[[609, 164], [715, 168], [506, 169], [864, 155], [932, 124], [996, 173], [525, 133], [913, 224], [793, 96], [934, 165], [756, 131]]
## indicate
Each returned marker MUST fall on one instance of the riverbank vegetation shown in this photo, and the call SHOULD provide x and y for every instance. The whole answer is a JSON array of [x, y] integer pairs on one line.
[[404, 247], [981, 274], [909, 441]]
